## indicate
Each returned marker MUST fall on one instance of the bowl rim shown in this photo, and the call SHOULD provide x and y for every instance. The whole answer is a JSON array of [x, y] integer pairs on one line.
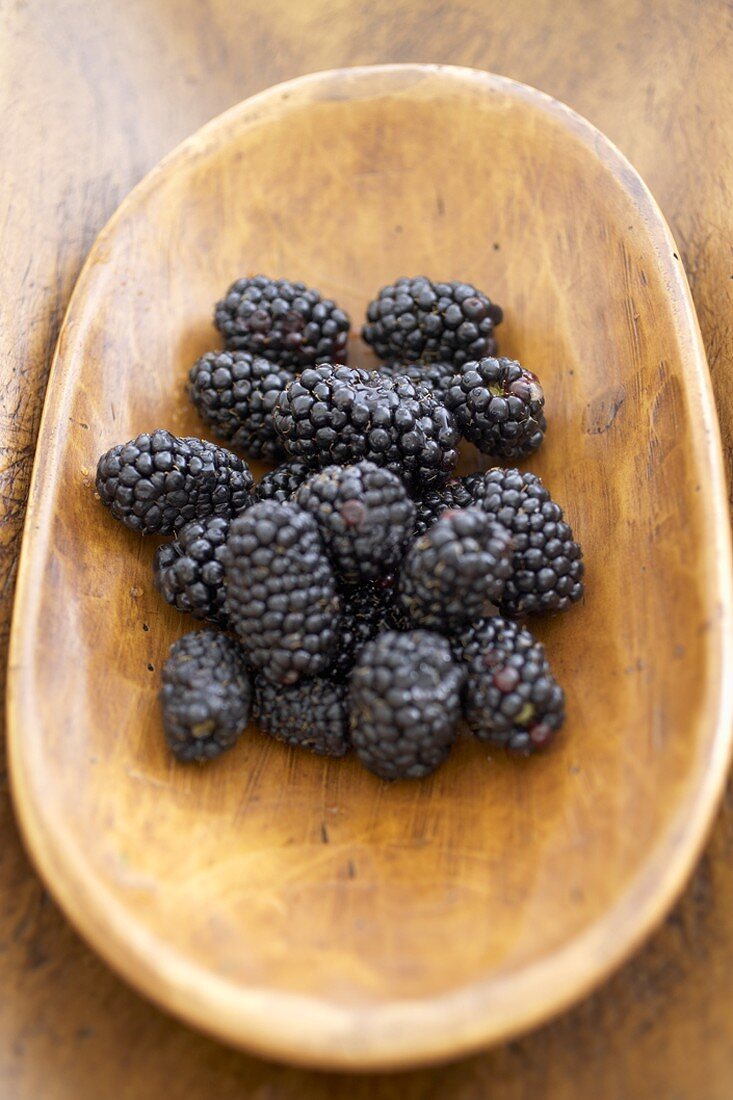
[[307, 1030]]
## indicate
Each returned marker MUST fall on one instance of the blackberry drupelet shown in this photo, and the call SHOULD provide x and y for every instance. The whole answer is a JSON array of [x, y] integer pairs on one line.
[[281, 592], [404, 703], [235, 392], [366, 610], [548, 567], [431, 505], [281, 483], [435, 377], [417, 319], [510, 697], [189, 572], [472, 484], [364, 515], [498, 407], [288, 323], [206, 695], [457, 571], [157, 483], [339, 415], [312, 714]]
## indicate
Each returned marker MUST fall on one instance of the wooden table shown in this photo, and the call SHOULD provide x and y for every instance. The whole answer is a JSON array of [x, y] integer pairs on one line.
[[92, 96]]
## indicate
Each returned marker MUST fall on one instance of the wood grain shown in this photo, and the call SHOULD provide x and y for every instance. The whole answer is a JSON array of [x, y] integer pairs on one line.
[[297, 906], [655, 78]]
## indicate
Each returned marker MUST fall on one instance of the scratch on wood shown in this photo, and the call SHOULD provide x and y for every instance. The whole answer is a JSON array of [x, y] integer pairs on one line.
[[141, 777], [607, 415], [324, 833]]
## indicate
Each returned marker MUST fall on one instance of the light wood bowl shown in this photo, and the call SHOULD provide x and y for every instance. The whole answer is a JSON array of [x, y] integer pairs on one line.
[[301, 907]]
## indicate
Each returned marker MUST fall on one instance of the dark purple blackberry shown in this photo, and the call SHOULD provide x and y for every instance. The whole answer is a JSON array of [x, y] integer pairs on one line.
[[364, 515], [280, 484], [431, 505], [457, 571], [157, 483], [404, 703], [281, 592], [472, 486], [288, 323], [339, 415], [510, 697], [189, 572], [206, 695], [416, 319], [235, 393], [312, 714], [435, 377], [548, 567], [498, 407], [366, 610]]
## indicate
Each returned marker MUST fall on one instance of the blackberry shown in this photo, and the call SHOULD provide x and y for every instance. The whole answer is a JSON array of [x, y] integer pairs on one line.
[[457, 571], [498, 407], [404, 703], [510, 698], [435, 377], [417, 319], [281, 593], [431, 505], [235, 393], [189, 572], [364, 515], [156, 483], [206, 695], [366, 610], [340, 415], [312, 714], [548, 567], [288, 323], [472, 485], [280, 484]]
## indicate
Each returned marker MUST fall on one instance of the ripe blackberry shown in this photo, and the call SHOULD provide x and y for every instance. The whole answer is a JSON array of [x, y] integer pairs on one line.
[[548, 568], [366, 610], [417, 319], [435, 377], [312, 714], [281, 592], [431, 505], [189, 572], [364, 515], [339, 415], [235, 393], [404, 703], [206, 695], [156, 483], [510, 697], [498, 407], [472, 485], [457, 571], [281, 483], [288, 323]]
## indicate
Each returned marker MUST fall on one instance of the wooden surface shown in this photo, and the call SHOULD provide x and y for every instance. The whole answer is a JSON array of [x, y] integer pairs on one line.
[[92, 96], [435, 916]]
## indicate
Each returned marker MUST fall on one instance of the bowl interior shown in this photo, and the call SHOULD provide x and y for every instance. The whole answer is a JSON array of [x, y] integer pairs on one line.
[[416, 918]]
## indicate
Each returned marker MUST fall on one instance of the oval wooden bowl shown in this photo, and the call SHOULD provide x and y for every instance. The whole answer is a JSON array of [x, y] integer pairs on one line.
[[301, 907]]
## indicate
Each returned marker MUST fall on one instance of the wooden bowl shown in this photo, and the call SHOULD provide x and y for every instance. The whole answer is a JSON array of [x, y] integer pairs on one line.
[[301, 907]]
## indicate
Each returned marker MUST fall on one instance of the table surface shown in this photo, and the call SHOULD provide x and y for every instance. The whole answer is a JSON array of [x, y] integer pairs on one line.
[[92, 96]]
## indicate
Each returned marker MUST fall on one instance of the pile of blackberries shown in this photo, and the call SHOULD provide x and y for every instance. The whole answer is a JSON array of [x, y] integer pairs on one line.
[[364, 595]]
